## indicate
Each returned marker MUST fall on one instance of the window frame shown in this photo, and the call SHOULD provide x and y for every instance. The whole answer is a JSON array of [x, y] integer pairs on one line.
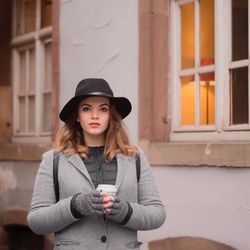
[[38, 40], [26, 149], [235, 65], [221, 130]]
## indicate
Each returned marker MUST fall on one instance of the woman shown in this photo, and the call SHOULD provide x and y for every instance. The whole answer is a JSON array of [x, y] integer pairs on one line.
[[95, 149]]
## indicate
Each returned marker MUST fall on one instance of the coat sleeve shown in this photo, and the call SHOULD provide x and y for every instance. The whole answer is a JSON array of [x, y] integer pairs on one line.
[[45, 215], [149, 213]]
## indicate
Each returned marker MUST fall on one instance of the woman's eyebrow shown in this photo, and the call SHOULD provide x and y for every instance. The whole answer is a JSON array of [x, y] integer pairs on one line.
[[89, 105], [85, 104], [104, 104]]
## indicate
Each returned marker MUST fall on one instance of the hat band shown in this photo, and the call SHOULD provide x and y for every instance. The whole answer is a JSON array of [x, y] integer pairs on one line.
[[98, 94]]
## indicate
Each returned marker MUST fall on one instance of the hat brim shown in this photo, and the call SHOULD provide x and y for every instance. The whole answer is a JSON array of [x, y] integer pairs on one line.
[[122, 105]]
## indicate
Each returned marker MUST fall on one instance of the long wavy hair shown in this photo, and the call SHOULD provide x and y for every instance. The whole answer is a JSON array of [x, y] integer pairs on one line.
[[70, 137]]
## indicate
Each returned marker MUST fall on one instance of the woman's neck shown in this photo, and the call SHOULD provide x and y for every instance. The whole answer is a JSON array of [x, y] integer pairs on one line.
[[95, 145], [94, 141]]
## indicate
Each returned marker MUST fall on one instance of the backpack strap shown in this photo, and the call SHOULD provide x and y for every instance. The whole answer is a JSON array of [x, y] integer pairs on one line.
[[55, 174], [138, 167]]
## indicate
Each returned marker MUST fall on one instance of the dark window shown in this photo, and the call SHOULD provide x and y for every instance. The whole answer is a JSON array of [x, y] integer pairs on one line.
[[20, 237], [239, 29], [239, 96], [46, 13]]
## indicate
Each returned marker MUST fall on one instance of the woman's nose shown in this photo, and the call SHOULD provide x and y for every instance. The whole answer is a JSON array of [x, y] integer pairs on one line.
[[94, 113]]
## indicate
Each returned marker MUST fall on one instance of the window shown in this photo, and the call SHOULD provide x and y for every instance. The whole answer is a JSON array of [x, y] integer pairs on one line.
[[21, 237], [32, 69], [239, 65], [220, 132], [210, 70]]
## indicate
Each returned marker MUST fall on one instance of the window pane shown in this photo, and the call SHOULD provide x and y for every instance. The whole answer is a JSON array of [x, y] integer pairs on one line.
[[187, 100], [239, 29], [46, 12], [31, 71], [207, 99], [207, 31], [239, 96], [18, 21], [22, 114], [29, 15], [25, 16], [31, 113], [187, 36], [46, 126], [48, 67], [22, 72]]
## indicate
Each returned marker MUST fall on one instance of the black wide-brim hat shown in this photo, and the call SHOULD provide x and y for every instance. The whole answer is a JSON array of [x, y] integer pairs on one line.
[[94, 87]]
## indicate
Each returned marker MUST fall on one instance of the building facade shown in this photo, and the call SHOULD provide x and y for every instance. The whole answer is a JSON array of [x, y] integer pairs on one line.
[[184, 64]]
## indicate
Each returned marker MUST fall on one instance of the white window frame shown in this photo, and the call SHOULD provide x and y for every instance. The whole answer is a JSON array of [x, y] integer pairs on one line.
[[36, 39], [221, 131]]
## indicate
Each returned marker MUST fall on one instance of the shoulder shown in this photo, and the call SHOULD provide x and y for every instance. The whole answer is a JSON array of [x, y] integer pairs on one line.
[[138, 153], [48, 158], [141, 154], [48, 155]]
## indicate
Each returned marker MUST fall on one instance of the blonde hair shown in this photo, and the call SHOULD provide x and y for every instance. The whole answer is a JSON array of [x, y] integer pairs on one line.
[[70, 137]]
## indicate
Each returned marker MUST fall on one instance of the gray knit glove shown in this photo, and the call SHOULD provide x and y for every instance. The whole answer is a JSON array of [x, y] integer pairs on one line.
[[87, 204], [120, 211]]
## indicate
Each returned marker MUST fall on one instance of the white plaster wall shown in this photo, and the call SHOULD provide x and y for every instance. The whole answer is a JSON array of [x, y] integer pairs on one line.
[[207, 202], [99, 38], [16, 184]]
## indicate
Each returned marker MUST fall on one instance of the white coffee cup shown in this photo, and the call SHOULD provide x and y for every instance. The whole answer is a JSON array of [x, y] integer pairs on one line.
[[107, 188]]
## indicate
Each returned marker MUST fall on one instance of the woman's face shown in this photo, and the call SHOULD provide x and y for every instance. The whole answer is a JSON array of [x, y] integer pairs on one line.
[[93, 116]]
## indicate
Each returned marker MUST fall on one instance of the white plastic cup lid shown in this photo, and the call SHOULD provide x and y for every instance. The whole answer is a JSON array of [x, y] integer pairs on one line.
[[107, 188]]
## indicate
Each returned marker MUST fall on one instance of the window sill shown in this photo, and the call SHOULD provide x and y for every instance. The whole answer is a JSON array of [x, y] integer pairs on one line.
[[228, 154], [22, 152]]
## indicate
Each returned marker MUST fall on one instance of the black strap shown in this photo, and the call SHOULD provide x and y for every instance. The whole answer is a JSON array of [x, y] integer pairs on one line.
[[55, 174], [138, 167]]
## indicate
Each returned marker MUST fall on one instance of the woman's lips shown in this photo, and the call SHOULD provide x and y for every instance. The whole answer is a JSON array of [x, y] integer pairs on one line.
[[94, 124]]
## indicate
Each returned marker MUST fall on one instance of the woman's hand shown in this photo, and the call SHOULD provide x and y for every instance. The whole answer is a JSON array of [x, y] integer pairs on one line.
[[87, 204], [107, 202], [117, 210]]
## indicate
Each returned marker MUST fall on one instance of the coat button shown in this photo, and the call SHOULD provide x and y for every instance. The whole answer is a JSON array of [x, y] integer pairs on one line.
[[103, 239]]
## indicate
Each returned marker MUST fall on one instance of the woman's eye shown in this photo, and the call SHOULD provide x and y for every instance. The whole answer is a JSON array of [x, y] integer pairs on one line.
[[85, 109], [104, 109]]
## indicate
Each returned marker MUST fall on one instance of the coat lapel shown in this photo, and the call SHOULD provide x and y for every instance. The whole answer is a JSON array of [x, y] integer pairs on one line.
[[122, 165], [77, 162]]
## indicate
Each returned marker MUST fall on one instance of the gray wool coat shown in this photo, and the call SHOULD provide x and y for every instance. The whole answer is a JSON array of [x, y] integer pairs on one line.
[[93, 232]]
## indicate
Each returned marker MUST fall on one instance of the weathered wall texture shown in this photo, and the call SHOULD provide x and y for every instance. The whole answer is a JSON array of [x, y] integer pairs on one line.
[[207, 202], [16, 184]]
